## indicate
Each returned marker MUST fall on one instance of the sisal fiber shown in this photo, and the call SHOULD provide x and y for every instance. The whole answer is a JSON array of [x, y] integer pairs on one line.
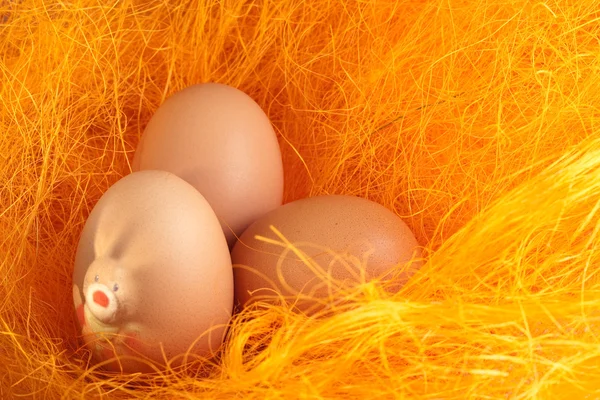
[[476, 121]]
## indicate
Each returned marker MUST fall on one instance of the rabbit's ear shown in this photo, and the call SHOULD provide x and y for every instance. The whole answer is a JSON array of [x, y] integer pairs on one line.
[[77, 296], [77, 300]]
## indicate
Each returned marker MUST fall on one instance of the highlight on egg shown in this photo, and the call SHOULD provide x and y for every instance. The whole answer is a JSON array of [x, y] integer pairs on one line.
[[318, 245], [152, 274], [220, 141]]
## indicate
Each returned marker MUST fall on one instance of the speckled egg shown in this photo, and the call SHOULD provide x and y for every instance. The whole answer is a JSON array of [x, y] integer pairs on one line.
[[329, 242]]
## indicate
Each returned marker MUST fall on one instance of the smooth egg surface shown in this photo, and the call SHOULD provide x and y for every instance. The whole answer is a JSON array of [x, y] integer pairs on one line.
[[219, 140], [342, 239], [152, 272]]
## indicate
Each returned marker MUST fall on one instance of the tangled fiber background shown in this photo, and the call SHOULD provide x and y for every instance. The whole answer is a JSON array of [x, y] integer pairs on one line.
[[476, 121]]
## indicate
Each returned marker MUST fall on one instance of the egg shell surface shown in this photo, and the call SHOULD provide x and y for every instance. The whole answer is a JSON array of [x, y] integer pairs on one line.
[[219, 140], [152, 269], [349, 239]]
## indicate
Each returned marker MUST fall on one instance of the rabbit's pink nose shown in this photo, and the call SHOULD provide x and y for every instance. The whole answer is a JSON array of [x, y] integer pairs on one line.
[[100, 298]]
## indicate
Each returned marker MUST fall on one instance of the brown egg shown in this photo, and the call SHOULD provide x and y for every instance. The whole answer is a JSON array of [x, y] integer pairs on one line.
[[371, 240], [152, 273], [219, 140]]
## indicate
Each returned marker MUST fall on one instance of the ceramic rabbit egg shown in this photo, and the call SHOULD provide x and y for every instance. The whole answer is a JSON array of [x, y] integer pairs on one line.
[[152, 273]]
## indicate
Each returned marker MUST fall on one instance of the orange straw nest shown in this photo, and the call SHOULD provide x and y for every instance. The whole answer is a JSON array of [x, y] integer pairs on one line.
[[477, 122]]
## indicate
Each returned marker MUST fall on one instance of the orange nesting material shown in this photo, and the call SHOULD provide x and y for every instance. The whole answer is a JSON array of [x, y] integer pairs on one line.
[[475, 122]]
